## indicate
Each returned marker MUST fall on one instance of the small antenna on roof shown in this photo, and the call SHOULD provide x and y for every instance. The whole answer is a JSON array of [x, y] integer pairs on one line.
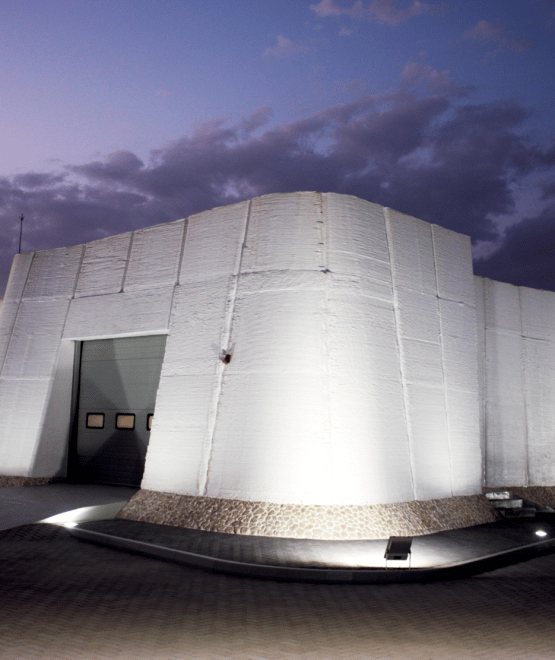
[[20, 232]]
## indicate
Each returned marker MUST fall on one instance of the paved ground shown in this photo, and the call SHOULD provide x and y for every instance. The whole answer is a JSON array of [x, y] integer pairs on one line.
[[63, 598], [19, 506]]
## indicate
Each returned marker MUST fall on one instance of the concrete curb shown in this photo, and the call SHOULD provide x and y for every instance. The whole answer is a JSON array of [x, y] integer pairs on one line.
[[293, 574]]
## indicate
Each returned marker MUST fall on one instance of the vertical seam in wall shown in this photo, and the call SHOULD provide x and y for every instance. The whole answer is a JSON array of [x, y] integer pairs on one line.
[[220, 369], [324, 217], [16, 315], [179, 266], [523, 363], [485, 474], [400, 351], [126, 268], [447, 420], [182, 252], [83, 248]]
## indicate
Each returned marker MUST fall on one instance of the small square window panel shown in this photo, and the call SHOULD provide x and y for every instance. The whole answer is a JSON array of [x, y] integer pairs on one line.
[[125, 421], [95, 420]]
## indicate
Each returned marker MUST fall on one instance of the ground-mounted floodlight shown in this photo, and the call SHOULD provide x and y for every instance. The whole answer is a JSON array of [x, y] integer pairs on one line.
[[541, 532], [398, 549]]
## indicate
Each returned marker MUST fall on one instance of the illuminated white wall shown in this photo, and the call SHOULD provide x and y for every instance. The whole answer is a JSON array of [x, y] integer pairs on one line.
[[517, 345], [352, 328]]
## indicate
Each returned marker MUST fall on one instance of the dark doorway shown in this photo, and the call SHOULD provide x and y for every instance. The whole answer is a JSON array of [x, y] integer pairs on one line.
[[118, 381]]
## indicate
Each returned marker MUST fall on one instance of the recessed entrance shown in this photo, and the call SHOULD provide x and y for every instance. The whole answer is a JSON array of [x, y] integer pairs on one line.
[[118, 381]]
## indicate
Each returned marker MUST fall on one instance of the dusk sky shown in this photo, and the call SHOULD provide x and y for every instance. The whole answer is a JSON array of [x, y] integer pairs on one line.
[[120, 114]]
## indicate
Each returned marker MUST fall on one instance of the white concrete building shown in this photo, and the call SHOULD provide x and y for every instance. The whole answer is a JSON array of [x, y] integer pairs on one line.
[[299, 352]]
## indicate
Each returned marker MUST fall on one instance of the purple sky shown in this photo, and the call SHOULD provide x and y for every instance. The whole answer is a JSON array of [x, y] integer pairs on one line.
[[117, 115]]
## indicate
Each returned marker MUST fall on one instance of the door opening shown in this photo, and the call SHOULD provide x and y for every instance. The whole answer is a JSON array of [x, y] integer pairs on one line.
[[117, 384]]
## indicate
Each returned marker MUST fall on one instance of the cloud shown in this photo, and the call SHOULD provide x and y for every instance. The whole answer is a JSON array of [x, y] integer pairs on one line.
[[385, 11], [119, 167], [285, 48], [258, 119], [430, 154], [427, 79], [498, 35], [32, 180], [527, 254]]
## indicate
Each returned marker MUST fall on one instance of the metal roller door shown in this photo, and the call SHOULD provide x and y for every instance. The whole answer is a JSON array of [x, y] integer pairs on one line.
[[118, 381]]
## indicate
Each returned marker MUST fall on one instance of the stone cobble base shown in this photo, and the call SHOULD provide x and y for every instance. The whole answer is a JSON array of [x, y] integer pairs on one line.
[[323, 522], [14, 482]]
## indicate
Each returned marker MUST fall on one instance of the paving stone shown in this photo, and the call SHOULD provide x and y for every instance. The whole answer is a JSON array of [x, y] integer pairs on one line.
[[65, 599]]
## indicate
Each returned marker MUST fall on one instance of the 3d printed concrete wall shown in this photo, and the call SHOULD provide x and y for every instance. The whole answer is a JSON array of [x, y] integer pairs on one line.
[[321, 351], [353, 377], [516, 348]]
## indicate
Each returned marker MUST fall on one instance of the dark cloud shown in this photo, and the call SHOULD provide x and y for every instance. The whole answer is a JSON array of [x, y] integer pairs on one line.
[[119, 167], [422, 150], [548, 189], [37, 179], [527, 254]]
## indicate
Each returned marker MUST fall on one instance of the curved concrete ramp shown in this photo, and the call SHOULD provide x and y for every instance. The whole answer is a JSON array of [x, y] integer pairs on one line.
[[29, 504], [440, 556]]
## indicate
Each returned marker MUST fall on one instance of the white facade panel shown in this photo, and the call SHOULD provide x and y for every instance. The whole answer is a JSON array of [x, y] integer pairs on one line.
[[370, 453], [539, 357], [366, 399], [196, 328], [285, 233], [431, 458], [418, 316], [12, 298], [213, 244], [53, 273], [538, 313], [104, 266], [270, 439], [35, 340], [502, 307], [464, 442], [353, 226], [22, 407], [146, 270], [453, 263], [422, 364], [179, 431], [356, 250], [173, 465], [361, 336], [458, 339], [125, 314], [412, 252], [18, 277], [8, 315], [51, 452], [279, 332], [506, 458]]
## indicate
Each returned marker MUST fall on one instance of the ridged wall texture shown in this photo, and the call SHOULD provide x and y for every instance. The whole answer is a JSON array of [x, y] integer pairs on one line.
[[352, 333], [516, 348], [308, 522]]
